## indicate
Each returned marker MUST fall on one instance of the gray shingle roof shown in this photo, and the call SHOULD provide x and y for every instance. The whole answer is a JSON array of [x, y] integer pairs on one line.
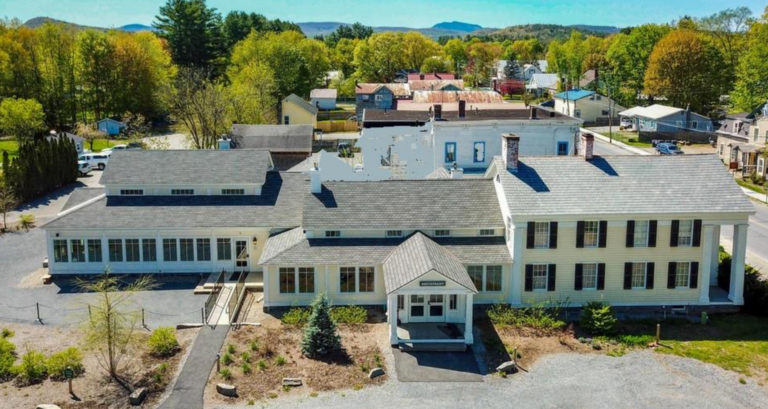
[[418, 256], [82, 195], [302, 103], [278, 206], [186, 167], [292, 248], [275, 138], [439, 173], [404, 204], [323, 93], [620, 185]]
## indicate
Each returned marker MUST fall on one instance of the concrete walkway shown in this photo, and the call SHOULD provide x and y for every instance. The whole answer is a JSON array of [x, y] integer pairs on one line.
[[754, 195], [188, 391]]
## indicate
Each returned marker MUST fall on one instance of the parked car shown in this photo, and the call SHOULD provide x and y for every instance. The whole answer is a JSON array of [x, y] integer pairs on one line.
[[668, 149], [83, 167], [96, 160]]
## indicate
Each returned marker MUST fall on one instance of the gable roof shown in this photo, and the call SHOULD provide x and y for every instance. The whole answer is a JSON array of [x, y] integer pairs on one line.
[[620, 185], [587, 78], [432, 76], [278, 206], [574, 94], [434, 85], [418, 256], [655, 111], [404, 205], [275, 138], [74, 138], [301, 103], [471, 97], [400, 90], [544, 80], [187, 167], [323, 93]]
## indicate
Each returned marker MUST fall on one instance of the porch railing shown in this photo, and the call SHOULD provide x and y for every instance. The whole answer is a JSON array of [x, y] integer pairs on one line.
[[213, 297], [235, 301]]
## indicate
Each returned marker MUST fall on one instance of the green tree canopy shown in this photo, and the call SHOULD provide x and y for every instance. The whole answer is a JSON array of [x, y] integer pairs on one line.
[[751, 88], [379, 57], [21, 118], [193, 32]]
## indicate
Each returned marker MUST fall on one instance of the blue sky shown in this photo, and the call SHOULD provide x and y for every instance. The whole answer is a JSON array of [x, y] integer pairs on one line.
[[409, 13]]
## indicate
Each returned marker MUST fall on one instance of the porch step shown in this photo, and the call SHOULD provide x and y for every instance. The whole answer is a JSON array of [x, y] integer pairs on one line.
[[433, 347]]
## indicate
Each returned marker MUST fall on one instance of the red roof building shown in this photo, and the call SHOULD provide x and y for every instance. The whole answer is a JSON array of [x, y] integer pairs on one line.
[[432, 76]]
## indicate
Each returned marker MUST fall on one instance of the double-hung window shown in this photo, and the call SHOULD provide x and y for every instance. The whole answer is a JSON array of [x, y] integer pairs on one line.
[[306, 280], [132, 250], [366, 281], [541, 235], [94, 250], [683, 275], [149, 249], [203, 249], [169, 250], [187, 249], [450, 152], [356, 279], [639, 271], [685, 233], [478, 155], [562, 148], [591, 233], [641, 233], [347, 281], [77, 251], [486, 278], [287, 280], [540, 277], [60, 251], [224, 249], [115, 250], [589, 276]]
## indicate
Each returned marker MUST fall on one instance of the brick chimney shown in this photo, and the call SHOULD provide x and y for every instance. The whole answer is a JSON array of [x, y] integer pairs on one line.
[[462, 108], [421, 76], [438, 112], [587, 145], [510, 148]]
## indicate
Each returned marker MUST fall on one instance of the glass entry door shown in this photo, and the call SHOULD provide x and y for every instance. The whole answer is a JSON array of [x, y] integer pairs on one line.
[[241, 251], [418, 308], [436, 308]]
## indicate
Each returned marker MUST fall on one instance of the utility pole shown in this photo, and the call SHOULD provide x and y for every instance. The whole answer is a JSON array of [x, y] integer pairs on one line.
[[610, 115]]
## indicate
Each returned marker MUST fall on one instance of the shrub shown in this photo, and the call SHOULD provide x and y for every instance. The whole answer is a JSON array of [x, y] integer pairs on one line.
[[320, 336], [246, 357], [542, 316], [351, 314], [280, 361], [227, 359], [163, 343], [27, 221], [297, 317], [69, 358], [231, 349], [635, 340], [598, 318], [32, 369], [262, 365], [755, 286], [246, 368], [7, 333], [254, 345], [226, 374], [7, 358]]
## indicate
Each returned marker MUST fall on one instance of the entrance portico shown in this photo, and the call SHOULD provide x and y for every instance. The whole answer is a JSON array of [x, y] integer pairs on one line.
[[428, 289]]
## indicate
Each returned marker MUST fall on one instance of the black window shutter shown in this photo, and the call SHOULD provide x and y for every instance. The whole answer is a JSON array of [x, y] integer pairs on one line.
[[652, 226], [627, 276], [531, 235], [675, 232], [601, 276], [697, 233], [553, 235], [630, 233], [580, 235], [603, 233], [649, 273], [529, 277], [579, 277], [694, 275], [672, 275], [551, 275]]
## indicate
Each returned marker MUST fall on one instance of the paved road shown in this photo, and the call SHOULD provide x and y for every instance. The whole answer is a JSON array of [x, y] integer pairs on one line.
[[47, 207], [757, 236]]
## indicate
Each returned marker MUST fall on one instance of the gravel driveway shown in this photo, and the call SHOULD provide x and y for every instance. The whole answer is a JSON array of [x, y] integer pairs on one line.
[[638, 380]]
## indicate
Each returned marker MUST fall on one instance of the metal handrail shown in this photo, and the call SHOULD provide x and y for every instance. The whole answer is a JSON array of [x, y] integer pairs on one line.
[[236, 299], [213, 297]]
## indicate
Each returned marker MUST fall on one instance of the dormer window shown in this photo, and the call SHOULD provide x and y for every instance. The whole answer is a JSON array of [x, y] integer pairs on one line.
[[131, 192], [182, 192], [442, 233], [233, 192], [394, 233], [487, 232]]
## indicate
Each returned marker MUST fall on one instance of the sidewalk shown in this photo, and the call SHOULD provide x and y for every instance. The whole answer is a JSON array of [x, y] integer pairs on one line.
[[636, 151], [754, 195]]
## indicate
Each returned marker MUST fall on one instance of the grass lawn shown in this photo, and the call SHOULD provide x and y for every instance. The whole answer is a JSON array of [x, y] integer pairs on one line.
[[630, 138], [99, 145], [11, 146], [751, 186]]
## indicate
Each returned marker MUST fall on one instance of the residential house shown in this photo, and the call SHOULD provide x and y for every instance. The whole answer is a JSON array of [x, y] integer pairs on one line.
[[436, 85], [78, 141], [543, 83], [590, 80], [297, 111], [441, 76], [288, 144], [444, 97], [532, 229], [661, 122], [110, 126], [379, 96], [741, 141], [528, 70], [324, 98], [591, 107]]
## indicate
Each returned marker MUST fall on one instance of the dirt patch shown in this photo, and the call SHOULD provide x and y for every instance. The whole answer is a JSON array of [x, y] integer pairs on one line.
[[275, 343], [93, 388]]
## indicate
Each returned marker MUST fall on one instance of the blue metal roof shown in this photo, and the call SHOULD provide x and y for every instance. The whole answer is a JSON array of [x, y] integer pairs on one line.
[[574, 94]]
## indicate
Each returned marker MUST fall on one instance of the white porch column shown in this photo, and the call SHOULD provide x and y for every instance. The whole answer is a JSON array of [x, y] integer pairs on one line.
[[738, 255], [705, 269], [516, 291], [392, 318], [469, 305], [715, 257]]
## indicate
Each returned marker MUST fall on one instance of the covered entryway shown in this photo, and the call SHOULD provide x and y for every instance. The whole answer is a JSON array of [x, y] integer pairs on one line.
[[429, 294]]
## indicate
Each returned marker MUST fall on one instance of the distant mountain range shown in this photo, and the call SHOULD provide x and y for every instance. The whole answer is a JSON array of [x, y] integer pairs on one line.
[[544, 32]]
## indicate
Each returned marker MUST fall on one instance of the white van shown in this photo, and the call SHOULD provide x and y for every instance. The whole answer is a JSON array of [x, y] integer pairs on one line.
[[96, 160]]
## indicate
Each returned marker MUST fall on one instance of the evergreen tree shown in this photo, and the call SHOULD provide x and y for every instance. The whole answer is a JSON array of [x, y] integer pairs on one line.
[[193, 31], [320, 336], [512, 70]]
